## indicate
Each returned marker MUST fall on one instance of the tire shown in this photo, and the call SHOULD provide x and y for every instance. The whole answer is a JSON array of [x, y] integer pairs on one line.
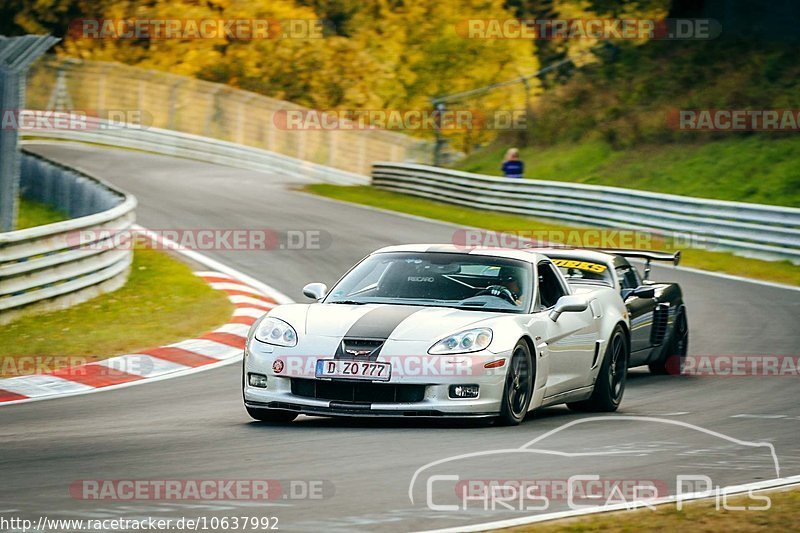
[[610, 384], [671, 360], [271, 415], [518, 391]]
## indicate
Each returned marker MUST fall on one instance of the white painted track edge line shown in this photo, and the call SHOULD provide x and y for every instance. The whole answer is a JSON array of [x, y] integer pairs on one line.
[[213, 264], [758, 486], [734, 277], [144, 381], [723, 275]]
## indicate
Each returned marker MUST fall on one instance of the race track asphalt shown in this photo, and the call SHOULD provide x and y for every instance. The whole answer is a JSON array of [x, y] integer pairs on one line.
[[195, 427]]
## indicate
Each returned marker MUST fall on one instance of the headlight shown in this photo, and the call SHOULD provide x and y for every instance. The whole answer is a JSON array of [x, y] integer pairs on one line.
[[471, 340], [276, 331]]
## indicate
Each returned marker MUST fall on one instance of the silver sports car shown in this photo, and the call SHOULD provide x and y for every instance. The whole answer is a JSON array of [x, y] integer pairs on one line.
[[440, 331]]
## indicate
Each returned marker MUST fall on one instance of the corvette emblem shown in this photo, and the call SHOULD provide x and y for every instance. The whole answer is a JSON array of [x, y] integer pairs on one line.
[[358, 353]]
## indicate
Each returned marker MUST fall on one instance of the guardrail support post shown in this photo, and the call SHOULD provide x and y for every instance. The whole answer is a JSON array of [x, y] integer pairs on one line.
[[16, 56]]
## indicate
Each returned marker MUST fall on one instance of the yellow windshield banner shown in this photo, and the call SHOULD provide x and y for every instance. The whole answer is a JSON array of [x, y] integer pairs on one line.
[[580, 265]]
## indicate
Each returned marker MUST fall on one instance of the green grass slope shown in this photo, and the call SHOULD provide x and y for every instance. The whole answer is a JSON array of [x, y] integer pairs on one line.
[[609, 123], [752, 169]]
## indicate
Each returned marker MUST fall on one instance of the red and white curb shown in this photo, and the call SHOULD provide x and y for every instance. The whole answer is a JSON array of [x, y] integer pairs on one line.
[[222, 346]]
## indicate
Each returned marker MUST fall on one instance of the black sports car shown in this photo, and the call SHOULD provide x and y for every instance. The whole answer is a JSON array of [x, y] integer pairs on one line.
[[659, 335]]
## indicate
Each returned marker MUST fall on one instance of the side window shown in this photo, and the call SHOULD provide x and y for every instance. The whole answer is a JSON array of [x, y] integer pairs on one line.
[[550, 287], [628, 278], [636, 275]]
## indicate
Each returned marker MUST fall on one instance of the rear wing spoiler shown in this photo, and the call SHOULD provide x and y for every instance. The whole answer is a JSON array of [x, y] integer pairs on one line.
[[647, 255]]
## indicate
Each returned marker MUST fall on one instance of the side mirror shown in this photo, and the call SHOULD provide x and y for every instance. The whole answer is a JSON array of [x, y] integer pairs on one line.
[[315, 291], [568, 304], [642, 291]]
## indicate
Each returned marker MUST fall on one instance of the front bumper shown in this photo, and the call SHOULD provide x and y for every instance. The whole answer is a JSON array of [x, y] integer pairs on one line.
[[345, 410], [431, 384]]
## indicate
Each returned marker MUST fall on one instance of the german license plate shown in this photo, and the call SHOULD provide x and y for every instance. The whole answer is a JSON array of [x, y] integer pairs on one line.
[[341, 369]]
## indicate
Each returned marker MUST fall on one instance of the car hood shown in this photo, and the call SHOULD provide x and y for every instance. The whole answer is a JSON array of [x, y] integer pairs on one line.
[[395, 322]]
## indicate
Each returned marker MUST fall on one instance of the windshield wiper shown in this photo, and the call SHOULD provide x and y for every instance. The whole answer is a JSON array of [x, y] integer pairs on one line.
[[470, 307], [347, 302]]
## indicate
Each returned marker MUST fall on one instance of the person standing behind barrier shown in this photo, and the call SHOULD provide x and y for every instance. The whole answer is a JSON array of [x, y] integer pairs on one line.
[[512, 166]]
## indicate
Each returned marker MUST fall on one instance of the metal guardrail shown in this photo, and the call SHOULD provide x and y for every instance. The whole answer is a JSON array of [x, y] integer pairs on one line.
[[175, 143], [758, 230], [61, 264]]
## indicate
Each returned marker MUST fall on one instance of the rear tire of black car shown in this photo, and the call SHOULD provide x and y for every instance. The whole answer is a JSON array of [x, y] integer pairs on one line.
[[674, 354], [519, 386], [610, 384], [271, 415]]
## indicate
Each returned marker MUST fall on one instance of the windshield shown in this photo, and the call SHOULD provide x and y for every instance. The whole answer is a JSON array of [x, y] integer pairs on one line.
[[438, 279], [579, 270]]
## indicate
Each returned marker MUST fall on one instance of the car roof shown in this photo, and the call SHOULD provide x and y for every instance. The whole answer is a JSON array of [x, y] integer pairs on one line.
[[527, 255]]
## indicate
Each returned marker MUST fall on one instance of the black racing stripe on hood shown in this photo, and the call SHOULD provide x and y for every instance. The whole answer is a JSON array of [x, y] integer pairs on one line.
[[379, 323], [369, 333]]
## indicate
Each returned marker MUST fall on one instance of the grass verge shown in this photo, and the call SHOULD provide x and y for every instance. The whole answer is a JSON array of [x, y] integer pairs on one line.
[[752, 169], [778, 271], [162, 302], [783, 515], [32, 214]]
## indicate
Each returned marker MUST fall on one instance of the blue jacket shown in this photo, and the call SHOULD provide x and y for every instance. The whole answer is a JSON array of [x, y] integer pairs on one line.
[[514, 168]]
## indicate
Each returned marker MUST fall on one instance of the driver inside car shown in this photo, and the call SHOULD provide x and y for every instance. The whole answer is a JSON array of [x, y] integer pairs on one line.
[[509, 286]]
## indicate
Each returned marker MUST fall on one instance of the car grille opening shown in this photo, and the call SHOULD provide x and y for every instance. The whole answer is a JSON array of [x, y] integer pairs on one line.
[[354, 391], [351, 348]]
